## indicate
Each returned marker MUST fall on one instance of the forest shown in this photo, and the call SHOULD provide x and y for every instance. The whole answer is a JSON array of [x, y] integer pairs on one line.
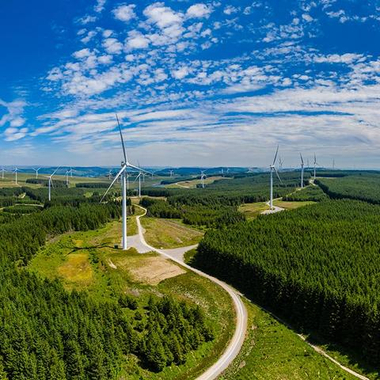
[[316, 266], [361, 186], [50, 333]]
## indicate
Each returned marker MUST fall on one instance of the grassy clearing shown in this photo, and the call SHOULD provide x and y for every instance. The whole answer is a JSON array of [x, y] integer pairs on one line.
[[252, 210], [87, 261], [273, 351], [292, 205], [193, 183], [169, 233]]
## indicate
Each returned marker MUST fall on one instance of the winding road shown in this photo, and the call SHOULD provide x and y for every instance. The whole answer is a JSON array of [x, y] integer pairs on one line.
[[237, 340]]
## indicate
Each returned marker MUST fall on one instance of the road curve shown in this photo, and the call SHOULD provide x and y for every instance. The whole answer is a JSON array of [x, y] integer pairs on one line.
[[237, 340]]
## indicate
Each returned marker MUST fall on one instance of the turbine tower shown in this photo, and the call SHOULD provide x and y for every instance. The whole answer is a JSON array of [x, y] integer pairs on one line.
[[36, 170], [302, 169], [50, 183], [123, 173], [315, 166], [280, 162], [15, 171], [203, 176], [67, 178], [139, 178], [273, 169], [2, 173]]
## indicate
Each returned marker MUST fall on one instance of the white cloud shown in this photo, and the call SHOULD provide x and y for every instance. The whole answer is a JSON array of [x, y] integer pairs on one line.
[[229, 10], [112, 46], [99, 7], [82, 53], [124, 13], [307, 17], [87, 19], [136, 40], [162, 16], [180, 73], [198, 11]]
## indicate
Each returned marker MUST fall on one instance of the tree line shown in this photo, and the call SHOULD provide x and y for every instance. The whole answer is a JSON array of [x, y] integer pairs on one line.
[[316, 266]]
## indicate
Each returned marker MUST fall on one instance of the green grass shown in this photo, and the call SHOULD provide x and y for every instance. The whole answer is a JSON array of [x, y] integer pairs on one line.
[[87, 261], [287, 205], [169, 233], [192, 184], [252, 210], [272, 351]]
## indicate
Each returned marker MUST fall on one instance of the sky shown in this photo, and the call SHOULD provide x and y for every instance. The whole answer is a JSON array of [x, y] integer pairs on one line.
[[209, 83]]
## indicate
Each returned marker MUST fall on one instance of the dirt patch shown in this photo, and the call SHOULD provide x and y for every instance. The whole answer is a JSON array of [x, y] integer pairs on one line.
[[151, 270]]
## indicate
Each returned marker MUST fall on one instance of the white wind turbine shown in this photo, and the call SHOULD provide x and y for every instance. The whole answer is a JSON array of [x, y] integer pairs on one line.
[[36, 170], [2, 173], [139, 178], [15, 171], [315, 166], [50, 183], [203, 176], [302, 169], [123, 173], [67, 178], [273, 169], [280, 163]]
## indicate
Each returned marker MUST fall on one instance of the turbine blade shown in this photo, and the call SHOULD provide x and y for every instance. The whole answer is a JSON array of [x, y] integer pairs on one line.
[[278, 176], [137, 168], [301, 158], [55, 171], [113, 182], [122, 140], [275, 156]]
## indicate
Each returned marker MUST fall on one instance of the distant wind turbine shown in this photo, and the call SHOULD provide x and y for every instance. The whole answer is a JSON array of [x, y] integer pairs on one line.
[[272, 170], [203, 176], [138, 177], [123, 173], [315, 166], [280, 163], [2, 173], [15, 171], [50, 183], [302, 169], [36, 170]]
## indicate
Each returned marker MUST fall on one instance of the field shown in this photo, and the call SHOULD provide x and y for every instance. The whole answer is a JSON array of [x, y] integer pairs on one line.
[[87, 261], [287, 205], [192, 184], [252, 210], [169, 233], [273, 351]]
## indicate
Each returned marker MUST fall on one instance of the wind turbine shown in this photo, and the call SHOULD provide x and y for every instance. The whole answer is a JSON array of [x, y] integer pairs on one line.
[[280, 162], [139, 178], [2, 173], [123, 173], [67, 178], [36, 170], [171, 173], [315, 166], [203, 176], [302, 169], [273, 169], [50, 183], [15, 171]]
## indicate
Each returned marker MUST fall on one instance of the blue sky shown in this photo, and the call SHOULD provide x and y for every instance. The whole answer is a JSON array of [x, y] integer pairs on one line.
[[195, 83]]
